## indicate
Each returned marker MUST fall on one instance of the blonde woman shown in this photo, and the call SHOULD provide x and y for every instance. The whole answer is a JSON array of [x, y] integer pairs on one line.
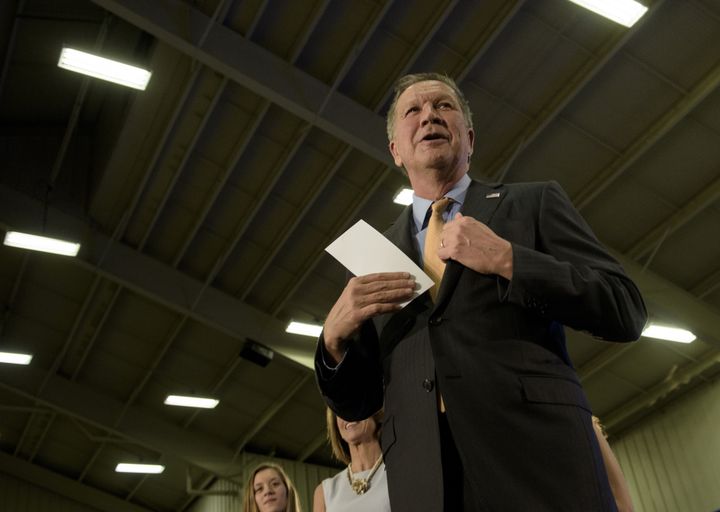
[[362, 486], [269, 489]]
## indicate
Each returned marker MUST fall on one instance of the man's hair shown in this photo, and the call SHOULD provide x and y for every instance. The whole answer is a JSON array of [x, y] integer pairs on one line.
[[340, 448], [406, 81]]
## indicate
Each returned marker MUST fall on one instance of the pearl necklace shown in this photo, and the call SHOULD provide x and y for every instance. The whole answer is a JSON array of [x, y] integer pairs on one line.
[[361, 485]]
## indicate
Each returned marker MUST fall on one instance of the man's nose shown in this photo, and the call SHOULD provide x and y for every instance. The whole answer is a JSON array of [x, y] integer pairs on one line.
[[430, 115]]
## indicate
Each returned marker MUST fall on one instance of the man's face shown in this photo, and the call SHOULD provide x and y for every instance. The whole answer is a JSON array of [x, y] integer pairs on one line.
[[430, 131]]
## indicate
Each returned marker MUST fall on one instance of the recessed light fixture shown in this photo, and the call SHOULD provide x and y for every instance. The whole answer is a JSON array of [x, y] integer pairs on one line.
[[15, 358], [191, 401], [313, 330], [625, 12], [104, 69], [152, 469], [662, 332], [41, 243], [403, 196]]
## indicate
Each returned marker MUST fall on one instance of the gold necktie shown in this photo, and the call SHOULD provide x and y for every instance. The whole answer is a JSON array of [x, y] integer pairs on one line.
[[433, 265]]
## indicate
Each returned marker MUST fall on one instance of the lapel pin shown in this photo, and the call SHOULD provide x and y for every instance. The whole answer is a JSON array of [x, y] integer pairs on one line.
[[492, 195]]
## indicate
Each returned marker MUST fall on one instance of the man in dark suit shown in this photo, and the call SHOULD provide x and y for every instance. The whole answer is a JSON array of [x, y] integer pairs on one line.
[[483, 410]]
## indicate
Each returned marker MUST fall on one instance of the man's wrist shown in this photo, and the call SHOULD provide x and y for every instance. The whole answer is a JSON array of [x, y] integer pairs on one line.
[[332, 358], [335, 349], [506, 264]]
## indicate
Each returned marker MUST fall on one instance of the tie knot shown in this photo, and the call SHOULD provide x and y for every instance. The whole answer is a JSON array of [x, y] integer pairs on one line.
[[439, 206]]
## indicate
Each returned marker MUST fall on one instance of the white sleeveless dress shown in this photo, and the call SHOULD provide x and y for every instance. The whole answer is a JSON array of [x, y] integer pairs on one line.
[[339, 497]]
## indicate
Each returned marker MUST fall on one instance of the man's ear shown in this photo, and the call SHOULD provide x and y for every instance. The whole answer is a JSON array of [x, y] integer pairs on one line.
[[394, 153], [471, 137]]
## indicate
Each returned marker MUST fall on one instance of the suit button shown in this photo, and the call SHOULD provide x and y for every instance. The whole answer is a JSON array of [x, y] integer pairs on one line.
[[428, 385], [435, 321]]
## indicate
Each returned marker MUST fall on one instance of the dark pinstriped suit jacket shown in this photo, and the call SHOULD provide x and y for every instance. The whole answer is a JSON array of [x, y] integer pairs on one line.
[[496, 349]]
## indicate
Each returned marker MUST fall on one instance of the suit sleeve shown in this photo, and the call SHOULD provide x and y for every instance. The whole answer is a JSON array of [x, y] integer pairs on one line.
[[354, 388], [569, 277]]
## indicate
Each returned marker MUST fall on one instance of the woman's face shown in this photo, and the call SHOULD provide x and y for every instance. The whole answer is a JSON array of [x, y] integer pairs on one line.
[[354, 432], [270, 491]]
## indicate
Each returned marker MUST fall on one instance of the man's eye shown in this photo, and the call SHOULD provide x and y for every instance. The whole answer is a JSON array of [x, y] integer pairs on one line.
[[411, 110], [445, 105]]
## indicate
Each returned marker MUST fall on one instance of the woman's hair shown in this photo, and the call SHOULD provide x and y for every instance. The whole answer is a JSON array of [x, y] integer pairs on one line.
[[249, 504], [340, 448]]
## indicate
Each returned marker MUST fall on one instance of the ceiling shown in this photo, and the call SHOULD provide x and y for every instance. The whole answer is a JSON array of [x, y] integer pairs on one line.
[[204, 203]]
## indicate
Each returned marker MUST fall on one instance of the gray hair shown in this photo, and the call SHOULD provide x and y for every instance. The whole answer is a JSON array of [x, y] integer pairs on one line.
[[406, 81]]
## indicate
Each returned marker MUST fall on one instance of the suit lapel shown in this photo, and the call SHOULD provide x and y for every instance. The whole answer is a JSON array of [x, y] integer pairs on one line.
[[481, 202], [400, 233], [393, 327]]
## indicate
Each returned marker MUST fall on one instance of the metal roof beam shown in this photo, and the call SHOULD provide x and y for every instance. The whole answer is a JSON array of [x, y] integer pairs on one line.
[[644, 401], [668, 301], [313, 446], [707, 285], [495, 28], [138, 425], [270, 412], [56, 483], [417, 48], [696, 205], [156, 280], [601, 360], [647, 140], [227, 52], [565, 95]]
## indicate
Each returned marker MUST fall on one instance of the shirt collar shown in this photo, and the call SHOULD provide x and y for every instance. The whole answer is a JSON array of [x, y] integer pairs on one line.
[[457, 194]]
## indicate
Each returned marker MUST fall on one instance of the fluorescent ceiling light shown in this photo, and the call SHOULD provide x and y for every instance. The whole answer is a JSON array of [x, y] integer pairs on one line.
[[625, 12], [313, 330], [404, 196], [126, 467], [191, 401], [13, 358], [41, 243], [668, 333], [104, 69]]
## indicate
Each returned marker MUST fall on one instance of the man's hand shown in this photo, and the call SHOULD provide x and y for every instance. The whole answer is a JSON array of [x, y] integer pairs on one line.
[[472, 243], [363, 298]]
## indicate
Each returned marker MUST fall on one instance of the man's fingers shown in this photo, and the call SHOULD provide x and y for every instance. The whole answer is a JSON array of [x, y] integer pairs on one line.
[[381, 276], [385, 295], [388, 287], [379, 286]]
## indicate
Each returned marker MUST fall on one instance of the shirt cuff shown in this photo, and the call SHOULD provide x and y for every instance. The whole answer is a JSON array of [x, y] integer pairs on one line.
[[325, 357]]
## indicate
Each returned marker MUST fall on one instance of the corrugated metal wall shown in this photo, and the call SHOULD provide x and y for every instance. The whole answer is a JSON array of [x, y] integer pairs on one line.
[[20, 496], [305, 477], [672, 459]]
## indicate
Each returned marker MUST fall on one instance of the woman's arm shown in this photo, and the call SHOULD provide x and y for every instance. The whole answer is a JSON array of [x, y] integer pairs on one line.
[[319, 499], [618, 485]]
